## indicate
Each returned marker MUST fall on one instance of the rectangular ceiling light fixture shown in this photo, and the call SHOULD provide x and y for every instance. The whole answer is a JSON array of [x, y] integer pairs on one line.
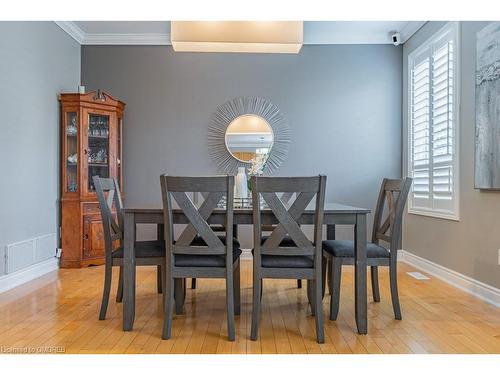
[[237, 36]]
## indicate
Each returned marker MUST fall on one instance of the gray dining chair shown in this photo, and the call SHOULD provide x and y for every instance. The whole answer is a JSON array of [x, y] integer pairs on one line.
[[220, 228], [147, 253], [300, 260], [287, 241], [199, 252], [393, 194]]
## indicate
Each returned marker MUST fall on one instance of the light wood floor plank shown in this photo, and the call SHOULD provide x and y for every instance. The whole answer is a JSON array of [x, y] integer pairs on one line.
[[61, 309]]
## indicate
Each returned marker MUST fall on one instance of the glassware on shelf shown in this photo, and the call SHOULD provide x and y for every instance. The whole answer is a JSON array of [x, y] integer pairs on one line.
[[102, 156], [92, 125], [71, 128], [72, 187], [99, 126], [98, 148], [71, 152], [104, 127], [92, 156], [72, 159]]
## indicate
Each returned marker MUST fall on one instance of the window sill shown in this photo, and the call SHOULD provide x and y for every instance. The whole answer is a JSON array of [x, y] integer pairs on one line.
[[434, 214]]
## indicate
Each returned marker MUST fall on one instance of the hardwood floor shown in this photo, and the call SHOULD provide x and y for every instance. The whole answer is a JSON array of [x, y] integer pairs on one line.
[[59, 312]]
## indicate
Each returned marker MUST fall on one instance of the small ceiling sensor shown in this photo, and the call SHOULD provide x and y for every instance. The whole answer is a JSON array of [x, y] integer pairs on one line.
[[396, 38]]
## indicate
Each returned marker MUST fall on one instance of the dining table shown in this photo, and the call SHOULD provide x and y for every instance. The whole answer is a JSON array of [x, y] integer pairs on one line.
[[334, 214]]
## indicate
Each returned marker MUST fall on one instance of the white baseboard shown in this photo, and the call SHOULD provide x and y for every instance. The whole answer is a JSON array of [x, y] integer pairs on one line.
[[477, 288], [17, 278]]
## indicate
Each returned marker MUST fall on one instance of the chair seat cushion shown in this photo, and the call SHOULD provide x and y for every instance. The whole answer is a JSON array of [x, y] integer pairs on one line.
[[285, 242], [199, 241], [345, 249], [186, 260], [144, 249], [287, 261], [152, 249]]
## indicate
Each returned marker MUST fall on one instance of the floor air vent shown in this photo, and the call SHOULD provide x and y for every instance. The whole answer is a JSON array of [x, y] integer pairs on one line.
[[418, 275]]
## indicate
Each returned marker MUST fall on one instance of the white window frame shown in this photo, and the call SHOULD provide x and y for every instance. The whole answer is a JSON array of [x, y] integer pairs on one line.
[[454, 214]]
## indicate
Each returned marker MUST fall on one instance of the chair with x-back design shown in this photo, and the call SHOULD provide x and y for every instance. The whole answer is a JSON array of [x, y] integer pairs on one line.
[[341, 252], [301, 259], [198, 251], [147, 253], [287, 241], [220, 228]]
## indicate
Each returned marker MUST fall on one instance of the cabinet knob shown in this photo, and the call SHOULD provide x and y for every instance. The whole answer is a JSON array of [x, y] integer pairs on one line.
[[85, 236], [85, 151]]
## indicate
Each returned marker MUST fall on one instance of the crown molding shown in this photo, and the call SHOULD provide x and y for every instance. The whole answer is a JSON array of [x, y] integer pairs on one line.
[[72, 30], [319, 38], [112, 39], [127, 39], [410, 29]]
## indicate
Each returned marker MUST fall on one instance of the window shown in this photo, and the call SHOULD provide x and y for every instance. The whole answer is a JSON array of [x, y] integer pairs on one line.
[[433, 125]]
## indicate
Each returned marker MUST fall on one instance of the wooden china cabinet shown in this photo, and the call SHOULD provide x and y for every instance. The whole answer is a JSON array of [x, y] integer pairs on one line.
[[91, 144]]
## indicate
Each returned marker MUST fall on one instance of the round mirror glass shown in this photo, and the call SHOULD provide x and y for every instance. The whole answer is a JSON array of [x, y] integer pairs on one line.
[[247, 136]]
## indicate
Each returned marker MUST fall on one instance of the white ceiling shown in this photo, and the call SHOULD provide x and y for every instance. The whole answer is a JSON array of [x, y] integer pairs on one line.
[[315, 32]]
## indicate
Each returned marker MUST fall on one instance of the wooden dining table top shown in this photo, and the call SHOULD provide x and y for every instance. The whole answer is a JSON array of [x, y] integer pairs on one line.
[[330, 208]]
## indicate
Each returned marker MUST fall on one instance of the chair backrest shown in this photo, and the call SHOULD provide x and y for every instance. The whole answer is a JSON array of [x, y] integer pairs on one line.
[[214, 189], [196, 200], [285, 198], [108, 194], [306, 189], [392, 198]]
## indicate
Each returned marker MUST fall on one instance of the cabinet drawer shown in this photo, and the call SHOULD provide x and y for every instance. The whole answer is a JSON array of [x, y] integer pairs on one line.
[[91, 208]]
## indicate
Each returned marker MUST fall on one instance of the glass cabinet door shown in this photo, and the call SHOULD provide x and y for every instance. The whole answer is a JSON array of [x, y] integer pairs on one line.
[[97, 151], [120, 154], [71, 151]]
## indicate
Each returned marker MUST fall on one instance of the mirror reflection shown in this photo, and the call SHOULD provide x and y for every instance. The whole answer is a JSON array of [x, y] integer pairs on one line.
[[248, 136]]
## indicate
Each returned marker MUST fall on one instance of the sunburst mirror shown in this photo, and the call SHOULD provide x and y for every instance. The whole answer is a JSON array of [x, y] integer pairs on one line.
[[246, 128]]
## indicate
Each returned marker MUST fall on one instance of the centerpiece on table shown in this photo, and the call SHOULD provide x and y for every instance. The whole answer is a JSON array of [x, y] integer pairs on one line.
[[242, 186]]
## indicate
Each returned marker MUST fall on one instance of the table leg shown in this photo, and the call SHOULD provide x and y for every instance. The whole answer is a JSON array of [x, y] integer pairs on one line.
[[360, 294], [330, 232], [179, 295], [160, 234], [330, 235], [129, 272]]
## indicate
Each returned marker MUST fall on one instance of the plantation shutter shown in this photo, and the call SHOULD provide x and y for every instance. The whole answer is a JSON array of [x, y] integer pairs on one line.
[[432, 156], [420, 135]]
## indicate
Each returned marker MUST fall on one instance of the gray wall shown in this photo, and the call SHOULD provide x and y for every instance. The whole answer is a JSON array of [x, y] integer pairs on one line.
[[470, 245], [343, 104], [37, 61]]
